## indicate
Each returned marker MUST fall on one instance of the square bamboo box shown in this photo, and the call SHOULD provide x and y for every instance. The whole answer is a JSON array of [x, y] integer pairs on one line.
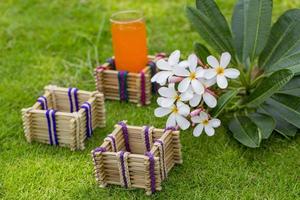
[[137, 157], [123, 86], [64, 117]]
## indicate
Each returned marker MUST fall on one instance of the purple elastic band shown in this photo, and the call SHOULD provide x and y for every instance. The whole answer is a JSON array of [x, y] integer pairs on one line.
[[143, 88], [43, 101], [170, 128], [74, 94], [113, 140], [147, 141], [163, 155], [123, 168], [88, 110], [51, 123], [125, 135], [151, 170]]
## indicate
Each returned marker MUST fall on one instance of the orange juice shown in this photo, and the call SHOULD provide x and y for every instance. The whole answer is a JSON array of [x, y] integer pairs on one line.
[[129, 41]]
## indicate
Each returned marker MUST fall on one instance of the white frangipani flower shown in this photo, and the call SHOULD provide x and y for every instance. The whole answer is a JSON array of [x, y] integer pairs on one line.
[[167, 68], [170, 96], [205, 123], [207, 95], [191, 76], [219, 70], [177, 115]]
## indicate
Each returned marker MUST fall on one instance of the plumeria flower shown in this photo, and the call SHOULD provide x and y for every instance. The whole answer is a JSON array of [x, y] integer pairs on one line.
[[170, 96], [219, 70], [167, 68], [191, 76], [205, 123], [178, 114], [208, 95]]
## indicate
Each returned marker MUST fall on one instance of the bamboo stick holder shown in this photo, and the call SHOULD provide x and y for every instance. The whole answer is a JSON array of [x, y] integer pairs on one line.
[[137, 171], [139, 87], [69, 129]]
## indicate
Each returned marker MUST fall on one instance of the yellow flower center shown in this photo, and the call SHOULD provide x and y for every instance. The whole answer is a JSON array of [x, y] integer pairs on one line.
[[205, 122], [193, 75], [175, 110], [220, 70], [177, 97]]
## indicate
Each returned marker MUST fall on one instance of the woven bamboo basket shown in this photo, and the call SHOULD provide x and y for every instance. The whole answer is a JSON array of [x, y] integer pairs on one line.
[[137, 157], [64, 117], [123, 86]]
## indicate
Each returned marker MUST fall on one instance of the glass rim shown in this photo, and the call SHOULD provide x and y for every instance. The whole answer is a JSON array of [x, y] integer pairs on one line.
[[139, 16]]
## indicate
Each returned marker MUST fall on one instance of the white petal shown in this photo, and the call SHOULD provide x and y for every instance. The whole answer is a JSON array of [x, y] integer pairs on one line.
[[153, 79], [160, 112], [180, 71], [171, 122], [225, 59], [195, 101], [200, 72], [174, 58], [231, 73], [183, 64], [159, 101], [163, 76], [209, 99], [212, 61], [163, 65], [198, 130], [210, 131], [197, 86], [208, 82], [167, 102], [196, 119], [184, 84], [193, 61], [210, 73], [214, 123], [203, 116], [184, 109], [182, 122], [168, 92], [222, 82], [187, 95]]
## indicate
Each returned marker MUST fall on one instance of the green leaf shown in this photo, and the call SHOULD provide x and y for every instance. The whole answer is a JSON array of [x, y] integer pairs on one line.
[[245, 131], [217, 20], [283, 46], [223, 101], [282, 127], [209, 32], [264, 122], [201, 51], [251, 24], [268, 87], [287, 106], [292, 87]]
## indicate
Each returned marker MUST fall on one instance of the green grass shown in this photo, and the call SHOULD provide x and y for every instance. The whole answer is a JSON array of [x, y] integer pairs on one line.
[[59, 42]]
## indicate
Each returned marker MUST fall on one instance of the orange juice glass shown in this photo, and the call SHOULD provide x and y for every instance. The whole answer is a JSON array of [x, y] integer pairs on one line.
[[129, 40]]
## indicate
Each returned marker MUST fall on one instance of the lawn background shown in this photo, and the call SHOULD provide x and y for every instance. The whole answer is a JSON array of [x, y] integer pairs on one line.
[[59, 42]]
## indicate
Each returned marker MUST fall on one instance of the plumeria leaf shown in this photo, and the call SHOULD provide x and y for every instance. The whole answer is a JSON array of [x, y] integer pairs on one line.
[[265, 123], [211, 10], [223, 101], [201, 51], [287, 106], [268, 87], [283, 46], [292, 87], [251, 24], [282, 127], [208, 31], [245, 131]]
